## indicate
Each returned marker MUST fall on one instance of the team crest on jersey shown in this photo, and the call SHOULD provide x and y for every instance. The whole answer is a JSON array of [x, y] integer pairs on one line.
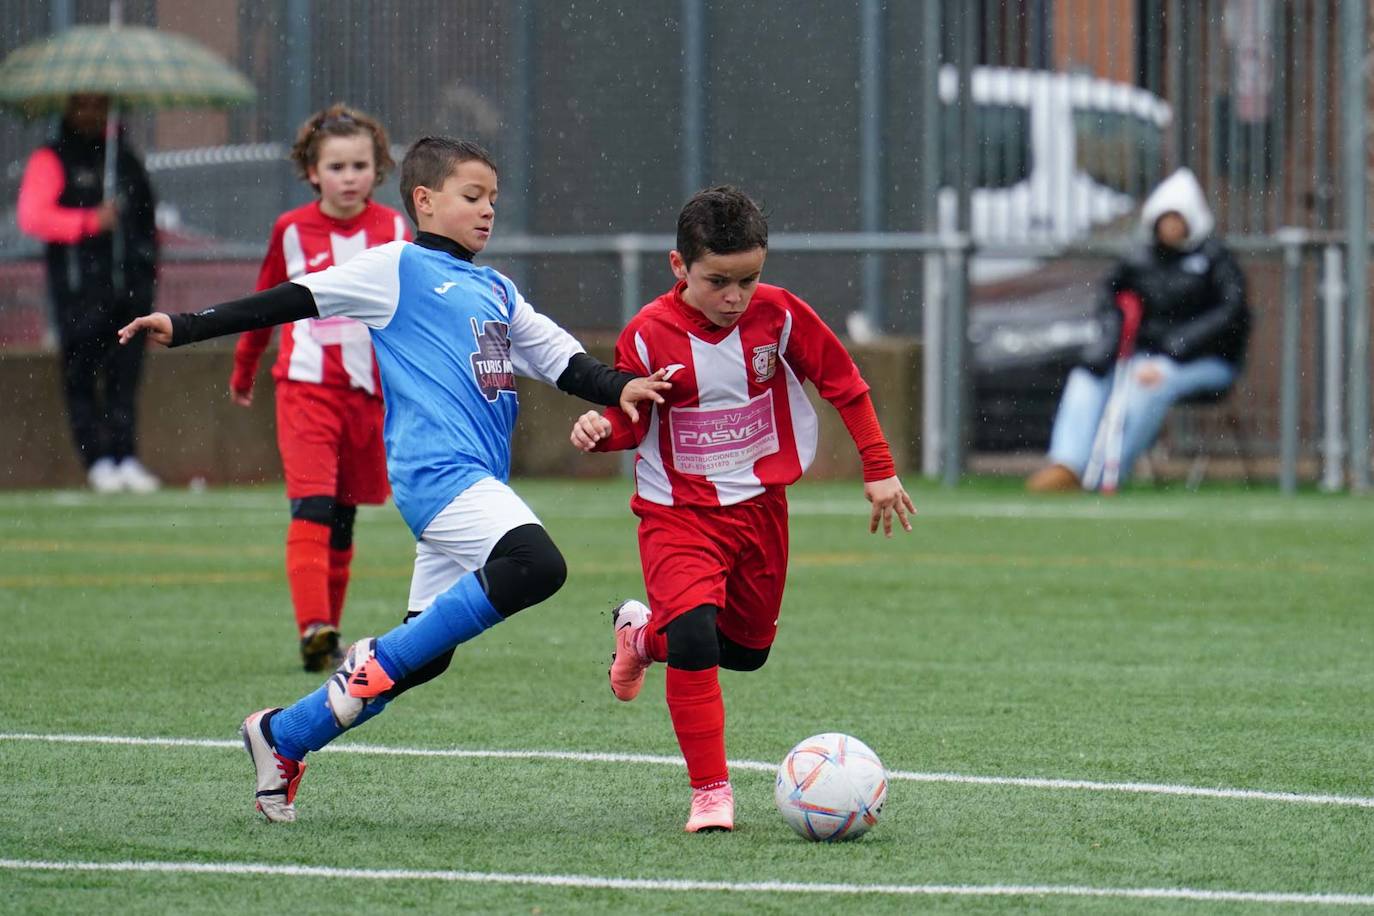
[[765, 362], [491, 365], [500, 290]]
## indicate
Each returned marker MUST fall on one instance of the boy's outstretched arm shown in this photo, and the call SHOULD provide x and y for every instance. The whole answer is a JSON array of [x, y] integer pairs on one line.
[[592, 427], [882, 488], [278, 305], [889, 498], [613, 430], [643, 388], [589, 429]]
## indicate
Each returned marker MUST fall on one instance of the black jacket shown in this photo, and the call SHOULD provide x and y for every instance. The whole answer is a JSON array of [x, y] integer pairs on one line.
[[1195, 305], [81, 276]]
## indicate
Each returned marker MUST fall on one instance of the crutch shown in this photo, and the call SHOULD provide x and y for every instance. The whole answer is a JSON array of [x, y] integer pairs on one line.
[[1104, 464]]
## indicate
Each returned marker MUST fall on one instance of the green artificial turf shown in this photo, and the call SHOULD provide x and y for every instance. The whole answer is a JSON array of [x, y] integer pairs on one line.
[[1213, 640]]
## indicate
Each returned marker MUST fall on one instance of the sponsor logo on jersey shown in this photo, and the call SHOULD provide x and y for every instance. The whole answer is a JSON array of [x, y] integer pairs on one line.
[[765, 362], [718, 440], [670, 371], [447, 285], [491, 366], [319, 259]]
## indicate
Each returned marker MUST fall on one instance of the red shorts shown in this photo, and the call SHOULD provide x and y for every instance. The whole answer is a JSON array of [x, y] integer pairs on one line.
[[734, 557], [331, 443]]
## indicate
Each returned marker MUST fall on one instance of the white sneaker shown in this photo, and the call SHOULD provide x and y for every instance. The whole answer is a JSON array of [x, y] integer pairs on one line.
[[278, 777], [137, 478], [104, 476], [628, 662]]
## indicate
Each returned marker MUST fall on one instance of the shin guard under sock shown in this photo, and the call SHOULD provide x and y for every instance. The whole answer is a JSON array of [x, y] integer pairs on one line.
[[456, 616], [307, 571], [698, 715]]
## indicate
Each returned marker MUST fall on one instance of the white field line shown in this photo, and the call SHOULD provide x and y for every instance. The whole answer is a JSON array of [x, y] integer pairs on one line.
[[1022, 782], [670, 884]]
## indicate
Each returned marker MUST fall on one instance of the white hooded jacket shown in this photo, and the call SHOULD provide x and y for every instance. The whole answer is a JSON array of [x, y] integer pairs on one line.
[[1182, 194]]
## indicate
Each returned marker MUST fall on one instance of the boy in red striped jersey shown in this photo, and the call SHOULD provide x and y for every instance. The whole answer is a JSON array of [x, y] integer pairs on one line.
[[712, 468], [329, 395]]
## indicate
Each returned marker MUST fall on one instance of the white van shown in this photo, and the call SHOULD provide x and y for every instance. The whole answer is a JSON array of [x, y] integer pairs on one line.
[[1058, 154]]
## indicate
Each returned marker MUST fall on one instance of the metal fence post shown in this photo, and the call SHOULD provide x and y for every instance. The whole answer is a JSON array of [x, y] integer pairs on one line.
[[1354, 156], [631, 268], [932, 364], [955, 339], [870, 154], [933, 294], [693, 96], [1292, 240], [1333, 369], [300, 63], [631, 271]]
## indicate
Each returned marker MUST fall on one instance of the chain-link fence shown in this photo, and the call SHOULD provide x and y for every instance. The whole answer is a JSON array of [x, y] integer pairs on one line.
[[1001, 147]]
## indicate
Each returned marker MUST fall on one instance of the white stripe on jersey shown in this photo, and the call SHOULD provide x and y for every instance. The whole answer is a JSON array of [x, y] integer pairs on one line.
[[307, 359], [651, 479], [804, 424], [723, 381], [292, 252], [343, 247], [307, 356], [400, 228]]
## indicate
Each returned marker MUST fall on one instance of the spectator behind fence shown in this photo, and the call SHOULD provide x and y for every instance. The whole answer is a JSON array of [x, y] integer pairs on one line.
[[62, 202], [1193, 329]]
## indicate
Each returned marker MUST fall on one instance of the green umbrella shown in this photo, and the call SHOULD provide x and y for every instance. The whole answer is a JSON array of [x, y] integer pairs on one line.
[[136, 67]]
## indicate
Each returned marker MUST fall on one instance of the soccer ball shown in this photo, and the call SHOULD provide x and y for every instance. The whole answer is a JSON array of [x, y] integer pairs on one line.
[[831, 787]]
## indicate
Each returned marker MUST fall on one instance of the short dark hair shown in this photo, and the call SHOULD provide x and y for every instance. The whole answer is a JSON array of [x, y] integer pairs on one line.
[[720, 220], [339, 121], [430, 160]]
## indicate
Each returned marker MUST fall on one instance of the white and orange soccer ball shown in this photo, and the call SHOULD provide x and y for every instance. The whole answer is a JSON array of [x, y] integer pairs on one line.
[[831, 787]]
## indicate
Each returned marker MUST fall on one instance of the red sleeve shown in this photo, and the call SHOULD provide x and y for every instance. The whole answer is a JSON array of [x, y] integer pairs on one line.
[[817, 354], [248, 352], [624, 434], [862, 422], [40, 215]]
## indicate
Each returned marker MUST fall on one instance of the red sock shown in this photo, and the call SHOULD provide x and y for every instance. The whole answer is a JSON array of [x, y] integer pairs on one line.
[[307, 571], [698, 715], [339, 561], [655, 644]]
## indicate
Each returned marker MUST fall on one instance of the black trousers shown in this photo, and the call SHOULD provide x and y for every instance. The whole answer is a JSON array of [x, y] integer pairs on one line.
[[100, 382]]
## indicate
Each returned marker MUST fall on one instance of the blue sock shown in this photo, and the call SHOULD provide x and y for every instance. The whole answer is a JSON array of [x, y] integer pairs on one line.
[[306, 725], [456, 616]]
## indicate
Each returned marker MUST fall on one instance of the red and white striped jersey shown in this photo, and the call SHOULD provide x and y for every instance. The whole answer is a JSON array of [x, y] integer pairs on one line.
[[336, 352], [736, 420]]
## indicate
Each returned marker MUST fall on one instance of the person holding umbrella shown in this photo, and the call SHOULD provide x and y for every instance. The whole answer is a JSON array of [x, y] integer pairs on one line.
[[87, 196], [62, 202]]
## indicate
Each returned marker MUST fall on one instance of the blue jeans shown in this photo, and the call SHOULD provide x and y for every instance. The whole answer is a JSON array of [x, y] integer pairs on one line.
[[1085, 397]]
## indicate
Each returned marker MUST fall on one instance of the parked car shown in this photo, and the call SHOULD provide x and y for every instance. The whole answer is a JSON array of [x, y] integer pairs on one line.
[[1024, 337]]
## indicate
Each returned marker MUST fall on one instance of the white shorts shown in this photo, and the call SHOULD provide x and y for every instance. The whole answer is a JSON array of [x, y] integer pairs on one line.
[[461, 536]]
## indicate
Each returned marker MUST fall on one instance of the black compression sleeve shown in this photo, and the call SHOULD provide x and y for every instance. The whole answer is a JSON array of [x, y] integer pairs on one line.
[[592, 380], [282, 303]]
